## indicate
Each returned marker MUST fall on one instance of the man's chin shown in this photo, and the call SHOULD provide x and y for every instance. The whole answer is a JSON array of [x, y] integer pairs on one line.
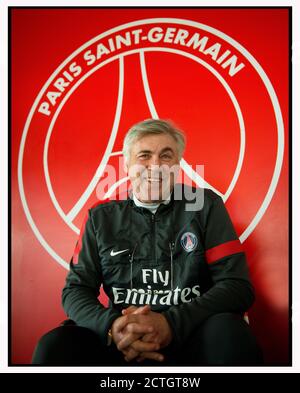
[[154, 197]]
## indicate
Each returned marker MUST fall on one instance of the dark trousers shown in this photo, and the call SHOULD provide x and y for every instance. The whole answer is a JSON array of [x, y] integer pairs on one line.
[[222, 340]]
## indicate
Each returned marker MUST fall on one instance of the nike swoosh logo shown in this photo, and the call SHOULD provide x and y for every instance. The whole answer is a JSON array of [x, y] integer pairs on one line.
[[113, 253]]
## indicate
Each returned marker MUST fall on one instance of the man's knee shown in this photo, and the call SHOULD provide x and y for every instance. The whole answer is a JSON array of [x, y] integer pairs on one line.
[[64, 345], [226, 339]]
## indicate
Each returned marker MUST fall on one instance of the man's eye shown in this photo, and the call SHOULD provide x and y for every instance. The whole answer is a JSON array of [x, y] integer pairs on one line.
[[166, 157], [144, 156]]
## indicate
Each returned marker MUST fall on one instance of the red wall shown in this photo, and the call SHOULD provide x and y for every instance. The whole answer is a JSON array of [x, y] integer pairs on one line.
[[186, 85]]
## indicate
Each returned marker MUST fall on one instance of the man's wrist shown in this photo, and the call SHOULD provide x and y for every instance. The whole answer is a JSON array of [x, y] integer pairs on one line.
[[109, 339]]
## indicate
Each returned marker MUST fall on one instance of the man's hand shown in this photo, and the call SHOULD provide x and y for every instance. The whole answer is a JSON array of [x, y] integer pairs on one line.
[[149, 337], [141, 332], [120, 330], [129, 352]]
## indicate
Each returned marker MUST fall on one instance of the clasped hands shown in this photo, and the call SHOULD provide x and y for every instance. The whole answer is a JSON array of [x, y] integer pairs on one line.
[[140, 333]]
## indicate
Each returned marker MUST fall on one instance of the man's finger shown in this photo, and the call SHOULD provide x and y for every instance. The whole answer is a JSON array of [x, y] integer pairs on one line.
[[134, 319], [130, 354], [136, 310], [151, 337], [143, 310], [125, 320], [128, 310], [132, 339], [141, 346], [150, 355], [127, 340], [138, 329]]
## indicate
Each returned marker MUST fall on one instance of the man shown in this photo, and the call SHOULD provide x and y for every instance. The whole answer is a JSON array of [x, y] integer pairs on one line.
[[176, 276]]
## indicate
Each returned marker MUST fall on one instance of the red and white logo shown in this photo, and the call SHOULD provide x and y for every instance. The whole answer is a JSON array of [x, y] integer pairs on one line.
[[189, 241], [194, 74]]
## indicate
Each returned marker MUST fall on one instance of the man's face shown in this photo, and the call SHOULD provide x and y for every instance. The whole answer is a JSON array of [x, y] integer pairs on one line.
[[153, 167]]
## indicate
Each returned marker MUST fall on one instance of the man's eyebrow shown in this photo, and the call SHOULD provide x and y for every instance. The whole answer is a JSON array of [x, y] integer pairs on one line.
[[144, 151], [164, 150], [167, 149]]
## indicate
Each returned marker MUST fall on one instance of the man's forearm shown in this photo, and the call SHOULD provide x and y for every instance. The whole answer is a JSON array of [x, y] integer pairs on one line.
[[232, 296], [84, 308]]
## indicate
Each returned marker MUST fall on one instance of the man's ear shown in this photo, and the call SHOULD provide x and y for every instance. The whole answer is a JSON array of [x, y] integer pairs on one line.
[[125, 166]]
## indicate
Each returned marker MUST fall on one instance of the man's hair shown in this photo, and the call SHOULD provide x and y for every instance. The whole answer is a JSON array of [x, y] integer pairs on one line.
[[153, 127]]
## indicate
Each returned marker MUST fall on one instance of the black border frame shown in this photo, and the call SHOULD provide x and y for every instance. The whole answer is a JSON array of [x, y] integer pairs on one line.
[[289, 151]]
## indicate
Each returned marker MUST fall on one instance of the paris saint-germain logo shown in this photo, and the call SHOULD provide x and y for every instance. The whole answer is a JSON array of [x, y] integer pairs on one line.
[[189, 241], [150, 53]]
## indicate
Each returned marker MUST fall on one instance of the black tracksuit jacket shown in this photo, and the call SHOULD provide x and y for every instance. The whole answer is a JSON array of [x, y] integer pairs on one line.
[[187, 265]]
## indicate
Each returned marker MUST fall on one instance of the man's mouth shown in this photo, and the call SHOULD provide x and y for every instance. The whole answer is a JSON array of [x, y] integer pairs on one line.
[[154, 180]]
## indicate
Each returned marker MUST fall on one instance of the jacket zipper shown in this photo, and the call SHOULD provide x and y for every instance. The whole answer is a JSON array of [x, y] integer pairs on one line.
[[154, 237], [172, 246]]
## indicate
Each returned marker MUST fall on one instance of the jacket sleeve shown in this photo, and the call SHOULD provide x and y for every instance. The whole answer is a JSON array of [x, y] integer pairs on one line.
[[231, 290], [82, 288]]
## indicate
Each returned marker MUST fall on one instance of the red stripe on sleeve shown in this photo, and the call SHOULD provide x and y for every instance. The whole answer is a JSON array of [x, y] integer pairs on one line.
[[223, 250]]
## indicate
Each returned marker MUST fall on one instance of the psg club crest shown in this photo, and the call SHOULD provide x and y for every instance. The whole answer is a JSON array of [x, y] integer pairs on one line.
[[189, 241], [210, 85]]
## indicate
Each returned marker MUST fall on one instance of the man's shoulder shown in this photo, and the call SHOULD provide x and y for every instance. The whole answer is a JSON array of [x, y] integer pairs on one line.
[[188, 191], [210, 194], [109, 203]]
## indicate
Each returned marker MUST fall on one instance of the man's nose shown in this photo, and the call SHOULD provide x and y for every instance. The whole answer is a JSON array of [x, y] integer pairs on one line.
[[154, 161]]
